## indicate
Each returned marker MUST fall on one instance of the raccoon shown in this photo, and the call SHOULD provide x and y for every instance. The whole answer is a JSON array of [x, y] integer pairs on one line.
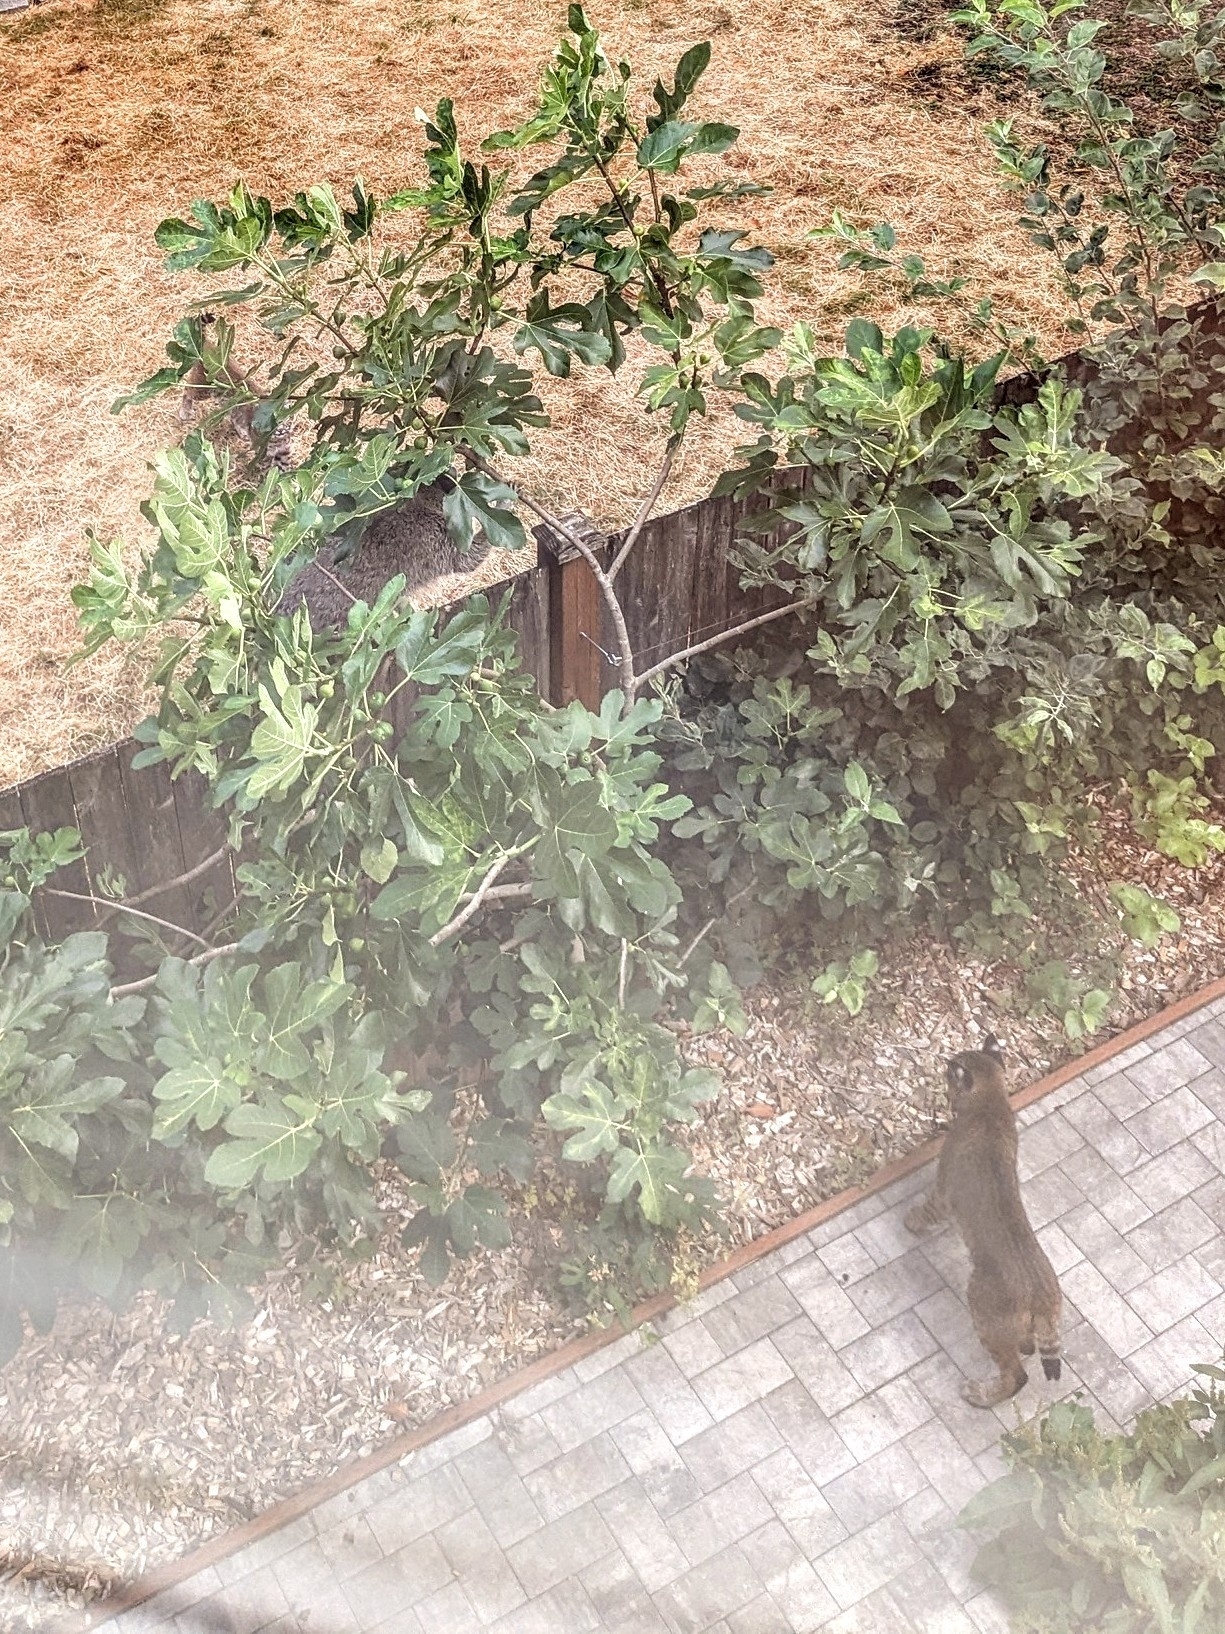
[[1013, 1292]]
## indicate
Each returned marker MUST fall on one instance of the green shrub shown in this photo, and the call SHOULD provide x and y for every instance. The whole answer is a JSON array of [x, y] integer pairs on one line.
[[1111, 1534]]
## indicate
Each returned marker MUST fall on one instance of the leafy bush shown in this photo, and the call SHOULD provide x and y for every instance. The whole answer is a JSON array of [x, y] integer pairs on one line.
[[1111, 1534]]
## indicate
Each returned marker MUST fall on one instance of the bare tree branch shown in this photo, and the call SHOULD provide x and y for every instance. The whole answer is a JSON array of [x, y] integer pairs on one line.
[[218, 855], [124, 907], [148, 981], [485, 889], [719, 640], [572, 537], [711, 923], [647, 506]]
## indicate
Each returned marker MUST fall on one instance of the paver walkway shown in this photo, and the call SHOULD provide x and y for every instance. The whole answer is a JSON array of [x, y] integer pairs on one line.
[[790, 1455]]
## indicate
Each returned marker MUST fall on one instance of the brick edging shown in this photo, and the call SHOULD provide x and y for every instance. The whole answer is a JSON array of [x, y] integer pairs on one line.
[[574, 1350]]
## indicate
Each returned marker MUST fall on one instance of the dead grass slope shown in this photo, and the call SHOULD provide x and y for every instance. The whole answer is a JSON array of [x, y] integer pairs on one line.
[[119, 112]]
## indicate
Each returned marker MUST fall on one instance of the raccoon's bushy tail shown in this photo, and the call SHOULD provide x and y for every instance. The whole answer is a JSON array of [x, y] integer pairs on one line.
[[1050, 1348]]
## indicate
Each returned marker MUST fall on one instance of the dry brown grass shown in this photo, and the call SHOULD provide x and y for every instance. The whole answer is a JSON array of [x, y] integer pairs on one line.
[[120, 112]]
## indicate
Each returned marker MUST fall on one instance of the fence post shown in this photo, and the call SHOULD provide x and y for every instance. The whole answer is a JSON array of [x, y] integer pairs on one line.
[[577, 620]]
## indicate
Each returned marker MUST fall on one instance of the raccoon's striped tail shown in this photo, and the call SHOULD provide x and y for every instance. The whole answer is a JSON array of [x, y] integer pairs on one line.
[[1050, 1350]]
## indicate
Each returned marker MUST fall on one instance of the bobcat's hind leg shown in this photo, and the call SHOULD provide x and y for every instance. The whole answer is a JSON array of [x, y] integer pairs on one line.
[[1010, 1377], [1002, 1331], [932, 1211]]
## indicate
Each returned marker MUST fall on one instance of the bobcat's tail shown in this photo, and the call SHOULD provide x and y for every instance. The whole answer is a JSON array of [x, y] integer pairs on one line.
[[1050, 1349]]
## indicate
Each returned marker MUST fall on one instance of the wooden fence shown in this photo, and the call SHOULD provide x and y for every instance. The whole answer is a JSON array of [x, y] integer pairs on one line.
[[676, 588]]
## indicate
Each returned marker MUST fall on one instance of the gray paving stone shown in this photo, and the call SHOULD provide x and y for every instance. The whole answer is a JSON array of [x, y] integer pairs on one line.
[[1089, 1360], [939, 1381], [565, 1607], [1166, 1363], [946, 1316], [867, 1560], [875, 1487], [1168, 1067], [619, 1599], [668, 1393], [799, 1503], [763, 1616], [1059, 1247], [1180, 1169], [809, 1433], [577, 1477], [581, 1415], [404, 1578], [662, 1473], [242, 1607], [1116, 1063], [1109, 1312], [869, 1426], [644, 1539], [747, 1376], [847, 1219], [609, 1356], [1209, 1039], [1210, 1143], [349, 1546], [987, 1615], [180, 1597], [692, 1347], [731, 1446], [847, 1259], [925, 1599], [1212, 1320], [815, 1363], [494, 1486], [1121, 1095], [475, 1559], [946, 1466], [716, 1589], [1175, 1232], [791, 1583], [888, 1350], [1175, 1118], [446, 1611], [1050, 1195], [1178, 1291], [539, 1396], [1086, 1176], [885, 1237], [1049, 1140], [751, 1315], [827, 1304], [1111, 1253], [1105, 1133], [561, 1549], [719, 1519], [896, 1287], [422, 1504], [527, 1442], [436, 1453]]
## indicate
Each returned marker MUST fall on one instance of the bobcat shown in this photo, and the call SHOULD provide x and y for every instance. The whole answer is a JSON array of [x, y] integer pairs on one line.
[[1013, 1292], [411, 539]]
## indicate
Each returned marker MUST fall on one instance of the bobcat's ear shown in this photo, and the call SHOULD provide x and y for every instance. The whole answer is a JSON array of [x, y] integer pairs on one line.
[[992, 1047], [958, 1075]]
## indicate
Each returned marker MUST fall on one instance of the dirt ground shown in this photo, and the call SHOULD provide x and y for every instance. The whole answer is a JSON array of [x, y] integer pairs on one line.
[[120, 112]]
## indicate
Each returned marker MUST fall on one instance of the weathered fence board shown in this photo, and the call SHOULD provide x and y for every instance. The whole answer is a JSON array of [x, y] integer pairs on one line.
[[676, 588]]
